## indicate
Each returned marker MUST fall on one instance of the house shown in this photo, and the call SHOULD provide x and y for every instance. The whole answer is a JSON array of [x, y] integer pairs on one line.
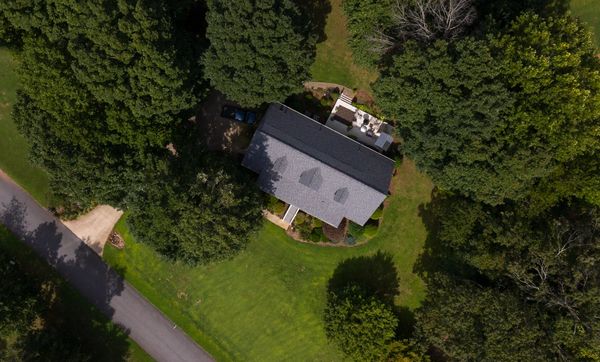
[[358, 124], [316, 169]]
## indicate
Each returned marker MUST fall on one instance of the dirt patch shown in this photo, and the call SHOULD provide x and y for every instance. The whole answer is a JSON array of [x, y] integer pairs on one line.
[[364, 97], [95, 227], [218, 133]]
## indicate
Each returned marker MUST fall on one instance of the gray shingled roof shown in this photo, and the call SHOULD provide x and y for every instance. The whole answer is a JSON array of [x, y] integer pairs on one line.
[[317, 169]]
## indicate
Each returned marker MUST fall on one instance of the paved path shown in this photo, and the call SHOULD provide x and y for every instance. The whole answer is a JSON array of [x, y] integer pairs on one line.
[[95, 227], [86, 271]]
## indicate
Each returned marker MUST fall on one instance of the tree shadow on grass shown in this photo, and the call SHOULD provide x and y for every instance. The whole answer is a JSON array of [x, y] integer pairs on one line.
[[376, 275], [83, 326], [437, 255], [317, 12]]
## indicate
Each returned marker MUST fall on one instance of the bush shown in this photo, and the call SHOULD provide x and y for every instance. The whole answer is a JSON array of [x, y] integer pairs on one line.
[[316, 223], [355, 230], [377, 214], [370, 231], [316, 235], [275, 205], [300, 218]]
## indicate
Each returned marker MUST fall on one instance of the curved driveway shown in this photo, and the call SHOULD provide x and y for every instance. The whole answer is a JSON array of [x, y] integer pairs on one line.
[[86, 271]]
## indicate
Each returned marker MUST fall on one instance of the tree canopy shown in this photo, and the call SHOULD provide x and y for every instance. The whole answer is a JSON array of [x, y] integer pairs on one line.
[[493, 118], [530, 284], [196, 208], [106, 86], [361, 326], [260, 50], [103, 87]]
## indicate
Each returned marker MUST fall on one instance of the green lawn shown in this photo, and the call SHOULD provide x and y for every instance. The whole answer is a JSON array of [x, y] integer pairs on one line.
[[68, 306], [334, 61], [13, 147], [589, 12], [266, 304]]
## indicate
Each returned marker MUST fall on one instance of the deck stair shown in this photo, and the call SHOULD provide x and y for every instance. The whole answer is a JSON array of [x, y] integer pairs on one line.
[[346, 98]]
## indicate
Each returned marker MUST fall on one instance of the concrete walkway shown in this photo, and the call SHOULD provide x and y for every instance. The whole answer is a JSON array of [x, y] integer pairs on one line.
[[275, 220], [95, 227], [86, 271]]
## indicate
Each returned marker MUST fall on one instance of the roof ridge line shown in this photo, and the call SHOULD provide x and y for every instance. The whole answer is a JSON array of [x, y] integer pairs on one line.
[[320, 124], [329, 165]]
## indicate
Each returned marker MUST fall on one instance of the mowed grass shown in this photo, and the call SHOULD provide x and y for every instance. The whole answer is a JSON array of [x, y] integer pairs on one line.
[[266, 304], [13, 147], [589, 12], [334, 62], [102, 337]]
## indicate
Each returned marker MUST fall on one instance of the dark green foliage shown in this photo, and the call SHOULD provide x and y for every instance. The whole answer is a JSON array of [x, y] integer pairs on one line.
[[365, 19], [469, 323], [260, 50], [450, 106], [539, 269], [493, 119], [309, 227], [275, 205], [497, 15], [360, 316], [43, 319], [107, 84], [196, 209], [361, 326]]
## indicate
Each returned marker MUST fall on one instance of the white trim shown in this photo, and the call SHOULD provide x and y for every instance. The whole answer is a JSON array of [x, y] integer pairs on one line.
[[295, 210], [343, 135]]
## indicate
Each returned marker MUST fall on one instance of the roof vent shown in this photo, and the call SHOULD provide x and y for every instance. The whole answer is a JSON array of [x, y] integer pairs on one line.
[[341, 195], [280, 165], [312, 178]]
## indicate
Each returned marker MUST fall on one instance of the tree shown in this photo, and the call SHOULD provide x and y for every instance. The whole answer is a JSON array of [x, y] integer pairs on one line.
[[361, 326], [468, 322], [263, 58], [18, 307], [367, 19], [103, 87], [426, 20], [198, 208], [547, 262], [493, 119], [450, 109]]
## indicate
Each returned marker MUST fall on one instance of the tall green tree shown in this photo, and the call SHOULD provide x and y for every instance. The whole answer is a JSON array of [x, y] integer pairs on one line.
[[367, 19], [197, 207], [104, 85], [360, 325], [260, 50], [493, 119], [468, 322], [543, 267]]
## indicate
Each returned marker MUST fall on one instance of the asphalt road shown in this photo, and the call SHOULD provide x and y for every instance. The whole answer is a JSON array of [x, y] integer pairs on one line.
[[86, 271]]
